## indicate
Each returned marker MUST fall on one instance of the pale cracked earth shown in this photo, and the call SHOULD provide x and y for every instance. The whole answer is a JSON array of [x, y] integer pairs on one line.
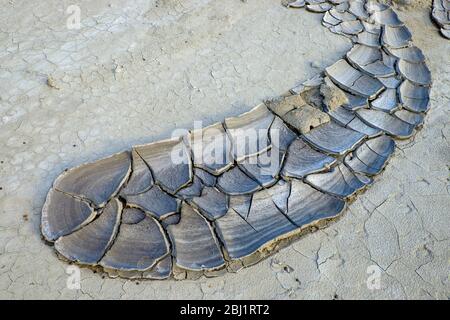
[[136, 70]]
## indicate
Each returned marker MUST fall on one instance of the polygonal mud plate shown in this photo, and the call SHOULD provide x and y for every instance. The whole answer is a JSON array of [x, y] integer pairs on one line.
[[171, 208]]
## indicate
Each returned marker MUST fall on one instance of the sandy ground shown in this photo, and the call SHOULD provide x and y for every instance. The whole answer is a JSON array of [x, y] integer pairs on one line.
[[137, 70]]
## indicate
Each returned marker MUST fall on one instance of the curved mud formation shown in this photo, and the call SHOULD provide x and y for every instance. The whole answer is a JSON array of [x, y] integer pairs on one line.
[[224, 197], [441, 15]]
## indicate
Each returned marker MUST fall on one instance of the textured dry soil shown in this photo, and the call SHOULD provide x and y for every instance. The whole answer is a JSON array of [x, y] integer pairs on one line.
[[136, 70]]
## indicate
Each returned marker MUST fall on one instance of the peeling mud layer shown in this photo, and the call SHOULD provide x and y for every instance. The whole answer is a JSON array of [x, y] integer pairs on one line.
[[441, 16], [235, 189], [151, 219]]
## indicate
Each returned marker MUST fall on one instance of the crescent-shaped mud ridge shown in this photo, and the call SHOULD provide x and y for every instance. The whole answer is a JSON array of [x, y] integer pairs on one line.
[[226, 196], [441, 15]]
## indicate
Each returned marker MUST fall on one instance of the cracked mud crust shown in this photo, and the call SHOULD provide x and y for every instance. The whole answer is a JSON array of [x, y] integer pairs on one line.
[[398, 225], [441, 16], [325, 143]]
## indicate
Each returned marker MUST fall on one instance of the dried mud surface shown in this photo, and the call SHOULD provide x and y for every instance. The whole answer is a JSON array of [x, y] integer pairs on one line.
[[136, 71]]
